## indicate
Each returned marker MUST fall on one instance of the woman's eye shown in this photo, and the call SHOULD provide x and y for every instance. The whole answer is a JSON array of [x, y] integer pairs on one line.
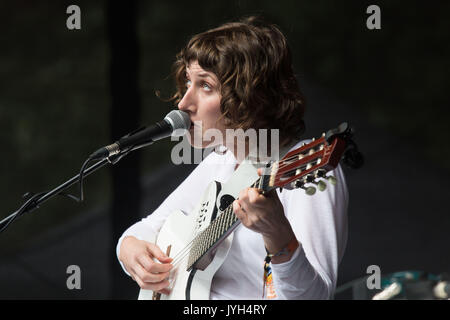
[[203, 85]]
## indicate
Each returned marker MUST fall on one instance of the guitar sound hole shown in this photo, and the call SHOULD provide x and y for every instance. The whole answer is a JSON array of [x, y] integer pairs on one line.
[[225, 201]]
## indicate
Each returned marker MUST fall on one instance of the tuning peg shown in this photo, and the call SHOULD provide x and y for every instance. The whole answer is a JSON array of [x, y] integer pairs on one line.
[[321, 185], [332, 180], [308, 190]]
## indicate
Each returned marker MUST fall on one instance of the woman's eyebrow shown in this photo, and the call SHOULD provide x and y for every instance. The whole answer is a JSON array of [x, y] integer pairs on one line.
[[202, 75], [211, 78]]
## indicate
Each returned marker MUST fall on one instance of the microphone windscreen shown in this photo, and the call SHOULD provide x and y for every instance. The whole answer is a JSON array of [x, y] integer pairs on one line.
[[178, 120]]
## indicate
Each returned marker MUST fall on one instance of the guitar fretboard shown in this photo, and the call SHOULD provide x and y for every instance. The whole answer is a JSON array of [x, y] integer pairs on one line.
[[217, 230]]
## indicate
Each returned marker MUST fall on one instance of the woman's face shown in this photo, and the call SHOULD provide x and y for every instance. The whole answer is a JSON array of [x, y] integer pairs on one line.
[[202, 102]]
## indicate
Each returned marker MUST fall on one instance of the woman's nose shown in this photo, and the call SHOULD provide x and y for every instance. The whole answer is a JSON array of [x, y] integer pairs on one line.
[[187, 103]]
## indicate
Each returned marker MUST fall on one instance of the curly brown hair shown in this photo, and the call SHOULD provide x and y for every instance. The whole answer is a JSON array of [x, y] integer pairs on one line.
[[253, 63]]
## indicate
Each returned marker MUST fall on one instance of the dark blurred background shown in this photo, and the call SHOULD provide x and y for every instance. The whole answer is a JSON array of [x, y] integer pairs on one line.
[[64, 93]]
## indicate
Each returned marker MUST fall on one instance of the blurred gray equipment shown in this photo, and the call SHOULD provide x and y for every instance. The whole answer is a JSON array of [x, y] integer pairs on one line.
[[404, 285]]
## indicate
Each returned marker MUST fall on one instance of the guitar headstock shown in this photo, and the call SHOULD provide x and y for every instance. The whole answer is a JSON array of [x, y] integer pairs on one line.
[[310, 163]]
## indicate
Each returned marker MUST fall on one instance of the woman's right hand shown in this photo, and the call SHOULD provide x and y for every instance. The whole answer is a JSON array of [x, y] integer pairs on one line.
[[137, 257]]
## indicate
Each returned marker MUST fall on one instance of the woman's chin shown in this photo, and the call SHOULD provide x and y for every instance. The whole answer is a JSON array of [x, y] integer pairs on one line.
[[194, 142]]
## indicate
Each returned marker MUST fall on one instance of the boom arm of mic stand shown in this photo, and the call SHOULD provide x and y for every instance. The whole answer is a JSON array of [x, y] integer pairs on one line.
[[115, 158], [31, 205]]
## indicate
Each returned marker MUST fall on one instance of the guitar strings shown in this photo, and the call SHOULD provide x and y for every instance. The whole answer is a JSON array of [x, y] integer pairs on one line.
[[186, 250], [284, 164], [227, 210]]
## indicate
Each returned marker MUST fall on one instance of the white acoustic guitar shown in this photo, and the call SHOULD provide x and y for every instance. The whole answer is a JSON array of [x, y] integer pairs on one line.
[[199, 242]]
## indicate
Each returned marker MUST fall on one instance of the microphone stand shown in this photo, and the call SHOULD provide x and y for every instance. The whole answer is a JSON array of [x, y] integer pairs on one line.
[[36, 199]]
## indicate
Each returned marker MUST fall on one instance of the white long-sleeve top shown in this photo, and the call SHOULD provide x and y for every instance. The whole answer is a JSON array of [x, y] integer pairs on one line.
[[319, 223]]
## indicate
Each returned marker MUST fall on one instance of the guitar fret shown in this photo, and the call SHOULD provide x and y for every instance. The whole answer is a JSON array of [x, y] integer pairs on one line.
[[219, 229], [228, 217], [211, 237], [216, 229], [212, 233], [204, 239], [225, 222], [222, 226]]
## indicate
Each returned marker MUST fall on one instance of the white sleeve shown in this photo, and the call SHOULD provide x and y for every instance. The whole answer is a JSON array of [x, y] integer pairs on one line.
[[320, 225], [184, 198]]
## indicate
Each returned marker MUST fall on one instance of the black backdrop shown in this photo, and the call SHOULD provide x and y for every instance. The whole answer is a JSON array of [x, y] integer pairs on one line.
[[64, 93]]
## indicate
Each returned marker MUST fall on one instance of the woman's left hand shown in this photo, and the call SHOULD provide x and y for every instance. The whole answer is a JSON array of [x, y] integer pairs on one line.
[[264, 213]]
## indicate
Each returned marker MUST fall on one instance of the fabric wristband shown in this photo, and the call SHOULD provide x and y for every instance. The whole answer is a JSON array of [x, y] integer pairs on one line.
[[291, 246], [267, 280]]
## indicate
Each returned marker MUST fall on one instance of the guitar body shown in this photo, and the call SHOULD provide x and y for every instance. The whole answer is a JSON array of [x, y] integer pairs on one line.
[[179, 230]]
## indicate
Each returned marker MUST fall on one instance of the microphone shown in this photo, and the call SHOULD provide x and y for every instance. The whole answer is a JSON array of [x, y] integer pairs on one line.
[[174, 120]]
